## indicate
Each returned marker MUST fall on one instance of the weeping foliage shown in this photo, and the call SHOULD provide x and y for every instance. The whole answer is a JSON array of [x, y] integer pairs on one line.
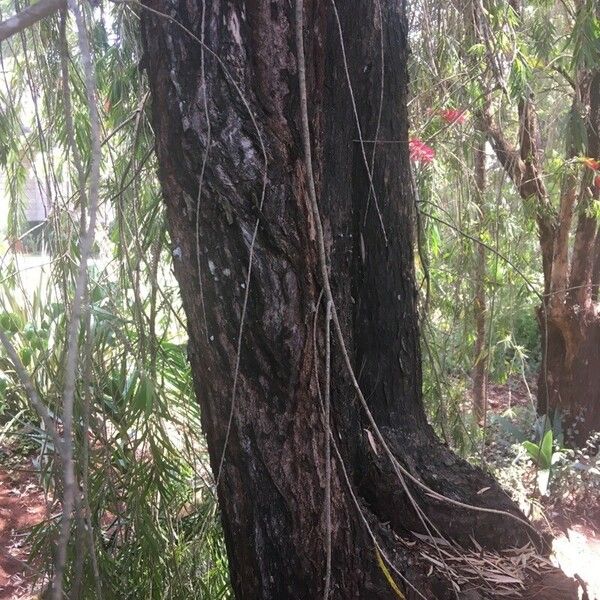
[[148, 524]]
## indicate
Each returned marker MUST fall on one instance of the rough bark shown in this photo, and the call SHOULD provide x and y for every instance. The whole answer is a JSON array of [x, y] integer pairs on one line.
[[272, 486], [569, 374]]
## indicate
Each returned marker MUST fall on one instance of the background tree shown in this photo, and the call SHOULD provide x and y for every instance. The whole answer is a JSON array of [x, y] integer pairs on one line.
[[555, 64], [480, 371], [523, 72], [478, 313]]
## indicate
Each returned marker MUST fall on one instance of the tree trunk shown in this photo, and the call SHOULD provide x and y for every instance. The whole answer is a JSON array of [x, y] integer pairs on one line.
[[569, 378], [220, 111], [479, 373], [569, 382], [569, 314]]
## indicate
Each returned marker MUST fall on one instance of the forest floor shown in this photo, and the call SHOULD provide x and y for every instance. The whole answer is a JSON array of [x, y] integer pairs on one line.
[[22, 506], [570, 509]]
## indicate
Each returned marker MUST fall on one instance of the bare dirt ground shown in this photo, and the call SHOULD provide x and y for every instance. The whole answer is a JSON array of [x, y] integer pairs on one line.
[[573, 518], [22, 505], [577, 552], [510, 395]]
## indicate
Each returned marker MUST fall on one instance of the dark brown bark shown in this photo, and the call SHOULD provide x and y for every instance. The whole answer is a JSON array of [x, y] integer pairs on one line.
[[569, 376], [271, 489]]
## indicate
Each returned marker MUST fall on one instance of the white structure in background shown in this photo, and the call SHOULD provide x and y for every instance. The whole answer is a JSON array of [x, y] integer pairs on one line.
[[35, 198], [37, 206], [30, 254]]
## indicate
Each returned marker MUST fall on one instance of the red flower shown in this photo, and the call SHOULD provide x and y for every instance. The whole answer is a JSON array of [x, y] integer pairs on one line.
[[591, 163], [453, 115], [420, 151], [597, 182]]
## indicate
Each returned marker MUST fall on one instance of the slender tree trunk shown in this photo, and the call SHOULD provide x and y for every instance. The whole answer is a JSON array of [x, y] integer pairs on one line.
[[569, 377], [569, 381], [217, 115], [569, 315], [479, 373]]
